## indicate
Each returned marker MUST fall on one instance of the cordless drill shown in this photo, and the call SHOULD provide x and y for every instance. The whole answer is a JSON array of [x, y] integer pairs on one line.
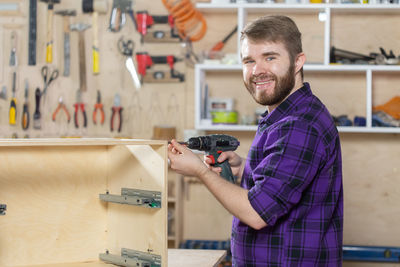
[[214, 145]]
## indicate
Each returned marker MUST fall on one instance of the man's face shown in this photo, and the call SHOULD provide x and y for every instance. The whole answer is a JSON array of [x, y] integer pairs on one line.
[[268, 73]]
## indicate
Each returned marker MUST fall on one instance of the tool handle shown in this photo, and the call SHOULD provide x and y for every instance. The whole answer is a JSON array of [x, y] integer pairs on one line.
[[38, 94], [76, 115], [82, 62], [96, 56], [13, 111], [218, 47], [25, 117], [225, 166], [120, 120], [84, 116], [67, 54], [49, 44], [112, 118]]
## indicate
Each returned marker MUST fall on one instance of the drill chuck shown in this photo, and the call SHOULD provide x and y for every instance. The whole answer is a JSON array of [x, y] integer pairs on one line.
[[220, 142]]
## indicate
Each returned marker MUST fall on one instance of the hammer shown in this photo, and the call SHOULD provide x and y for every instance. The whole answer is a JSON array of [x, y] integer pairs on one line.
[[80, 28], [49, 43], [95, 7], [65, 13]]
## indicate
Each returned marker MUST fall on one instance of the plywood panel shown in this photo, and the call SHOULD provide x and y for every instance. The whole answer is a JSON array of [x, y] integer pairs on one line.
[[54, 214], [53, 210], [371, 192]]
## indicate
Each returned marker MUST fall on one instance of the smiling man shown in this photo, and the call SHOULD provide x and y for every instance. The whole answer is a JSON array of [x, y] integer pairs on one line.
[[288, 209]]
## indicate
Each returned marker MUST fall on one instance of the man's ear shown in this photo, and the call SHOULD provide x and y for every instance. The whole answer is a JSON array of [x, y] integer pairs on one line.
[[300, 60]]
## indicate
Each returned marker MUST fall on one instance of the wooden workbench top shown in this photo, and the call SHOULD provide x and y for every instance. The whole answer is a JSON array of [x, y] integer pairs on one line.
[[176, 258]]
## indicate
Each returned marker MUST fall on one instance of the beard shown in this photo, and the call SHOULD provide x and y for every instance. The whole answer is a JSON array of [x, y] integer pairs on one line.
[[283, 86]]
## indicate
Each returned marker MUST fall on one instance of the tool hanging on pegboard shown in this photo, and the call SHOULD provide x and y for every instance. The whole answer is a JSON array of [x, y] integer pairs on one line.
[[190, 23], [95, 7], [145, 61], [145, 21], [25, 110], [32, 32], [13, 53], [126, 48], [13, 103], [118, 14], [66, 13], [49, 42]]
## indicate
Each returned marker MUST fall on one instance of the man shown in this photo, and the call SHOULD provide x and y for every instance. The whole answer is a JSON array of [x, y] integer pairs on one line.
[[288, 210]]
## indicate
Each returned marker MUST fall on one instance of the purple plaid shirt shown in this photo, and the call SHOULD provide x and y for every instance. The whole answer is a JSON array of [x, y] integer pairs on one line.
[[294, 177]]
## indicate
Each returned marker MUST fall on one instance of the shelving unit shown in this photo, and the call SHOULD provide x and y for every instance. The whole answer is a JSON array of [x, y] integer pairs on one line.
[[324, 13]]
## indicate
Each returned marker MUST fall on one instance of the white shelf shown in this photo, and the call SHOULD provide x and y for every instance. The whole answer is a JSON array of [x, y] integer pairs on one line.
[[342, 129], [307, 67], [299, 8]]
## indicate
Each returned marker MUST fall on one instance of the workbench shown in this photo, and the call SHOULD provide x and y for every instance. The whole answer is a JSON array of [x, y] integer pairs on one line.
[[176, 258]]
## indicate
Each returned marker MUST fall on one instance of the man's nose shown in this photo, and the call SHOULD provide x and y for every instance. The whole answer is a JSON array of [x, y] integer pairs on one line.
[[258, 68]]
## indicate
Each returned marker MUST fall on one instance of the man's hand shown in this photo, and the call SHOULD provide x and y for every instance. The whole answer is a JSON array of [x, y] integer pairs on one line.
[[236, 162], [184, 161]]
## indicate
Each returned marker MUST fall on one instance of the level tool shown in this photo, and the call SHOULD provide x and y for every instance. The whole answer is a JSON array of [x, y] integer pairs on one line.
[[32, 32]]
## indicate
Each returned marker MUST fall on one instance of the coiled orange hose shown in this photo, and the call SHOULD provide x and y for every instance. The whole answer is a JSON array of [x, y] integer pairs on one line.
[[189, 22]]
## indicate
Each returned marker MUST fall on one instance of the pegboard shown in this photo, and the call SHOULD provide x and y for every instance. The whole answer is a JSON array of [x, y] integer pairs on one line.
[[153, 104]]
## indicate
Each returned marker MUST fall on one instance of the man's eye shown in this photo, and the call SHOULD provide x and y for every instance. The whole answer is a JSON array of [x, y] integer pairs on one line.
[[270, 58], [248, 61]]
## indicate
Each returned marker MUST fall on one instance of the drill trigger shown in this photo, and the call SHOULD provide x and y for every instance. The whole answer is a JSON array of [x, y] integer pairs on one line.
[[212, 158]]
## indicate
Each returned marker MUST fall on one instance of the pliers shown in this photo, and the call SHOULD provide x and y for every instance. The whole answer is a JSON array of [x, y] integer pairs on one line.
[[116, 109], [79, 105], [62, 106], [98, 106]]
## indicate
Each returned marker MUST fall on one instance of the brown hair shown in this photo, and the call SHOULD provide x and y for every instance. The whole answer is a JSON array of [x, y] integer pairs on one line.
[[275, 28]]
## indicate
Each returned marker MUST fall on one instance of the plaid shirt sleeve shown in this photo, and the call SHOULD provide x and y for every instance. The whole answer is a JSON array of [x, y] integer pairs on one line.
[[292, 154]]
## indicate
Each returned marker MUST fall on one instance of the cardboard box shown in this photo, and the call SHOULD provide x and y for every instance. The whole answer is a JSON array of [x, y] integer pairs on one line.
[[54, 215]]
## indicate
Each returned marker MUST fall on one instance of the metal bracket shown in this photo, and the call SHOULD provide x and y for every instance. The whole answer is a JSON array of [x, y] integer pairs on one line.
[[132, 258], [151, 199], [3, 208]]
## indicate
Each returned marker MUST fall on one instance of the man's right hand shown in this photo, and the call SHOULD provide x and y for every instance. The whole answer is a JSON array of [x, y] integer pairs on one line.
[[236, 162]]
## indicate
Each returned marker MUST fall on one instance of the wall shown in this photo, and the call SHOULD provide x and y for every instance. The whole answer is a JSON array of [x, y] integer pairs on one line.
[[153, 104]]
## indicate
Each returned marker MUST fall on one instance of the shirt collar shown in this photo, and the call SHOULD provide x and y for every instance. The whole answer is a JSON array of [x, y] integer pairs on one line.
[[287, 105]]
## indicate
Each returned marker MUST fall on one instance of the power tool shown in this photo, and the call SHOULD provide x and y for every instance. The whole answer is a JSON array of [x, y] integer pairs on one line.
[[145, 21], [145, 61], [3, 208], [214, 145]]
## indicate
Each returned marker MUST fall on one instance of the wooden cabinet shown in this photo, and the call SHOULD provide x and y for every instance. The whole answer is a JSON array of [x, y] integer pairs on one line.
[[175, 212], [56, 213]]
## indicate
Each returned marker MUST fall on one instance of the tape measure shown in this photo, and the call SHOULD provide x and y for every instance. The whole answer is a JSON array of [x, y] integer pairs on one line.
[[32, 32]]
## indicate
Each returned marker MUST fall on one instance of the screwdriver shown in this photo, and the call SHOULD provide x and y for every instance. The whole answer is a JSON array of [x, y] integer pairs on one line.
[[218, 46], [13, 104], [25, 111]]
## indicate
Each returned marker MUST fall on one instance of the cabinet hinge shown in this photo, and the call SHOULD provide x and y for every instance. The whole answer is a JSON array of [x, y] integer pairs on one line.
[[151, 199], [132, 258]]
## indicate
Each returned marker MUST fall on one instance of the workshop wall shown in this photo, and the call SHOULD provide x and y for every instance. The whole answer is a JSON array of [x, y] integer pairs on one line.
[[370, 161], [153, 104]]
